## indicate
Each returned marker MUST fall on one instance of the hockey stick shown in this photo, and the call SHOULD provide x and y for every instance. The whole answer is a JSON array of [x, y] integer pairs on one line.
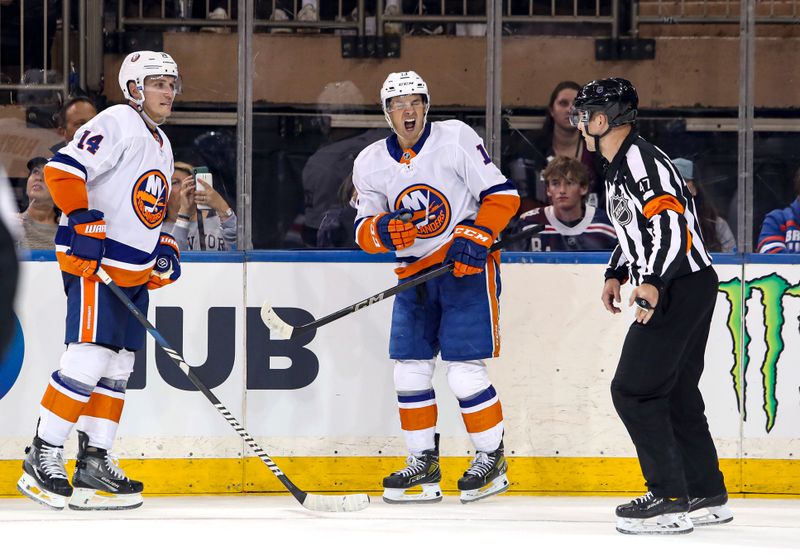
[[286, 331], [315, 502]]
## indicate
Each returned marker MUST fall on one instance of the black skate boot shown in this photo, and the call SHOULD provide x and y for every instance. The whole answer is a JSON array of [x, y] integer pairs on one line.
[[717, 512], [44, 478], [99, 481], [485, 477], [418, 482], [655, 516]]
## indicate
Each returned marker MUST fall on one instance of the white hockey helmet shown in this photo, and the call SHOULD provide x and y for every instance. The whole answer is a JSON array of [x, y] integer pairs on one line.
[[142, 64], [404, 83]]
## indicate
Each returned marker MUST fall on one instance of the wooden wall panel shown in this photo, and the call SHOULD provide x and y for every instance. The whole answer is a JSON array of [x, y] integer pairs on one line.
[[302, 70]]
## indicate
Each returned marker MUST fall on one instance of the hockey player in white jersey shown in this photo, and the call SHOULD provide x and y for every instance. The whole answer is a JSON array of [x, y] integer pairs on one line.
[[112, 184], [430, 193]]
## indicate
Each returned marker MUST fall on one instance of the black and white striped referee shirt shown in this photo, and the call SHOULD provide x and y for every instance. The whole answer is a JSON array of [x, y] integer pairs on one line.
[[654, 216]]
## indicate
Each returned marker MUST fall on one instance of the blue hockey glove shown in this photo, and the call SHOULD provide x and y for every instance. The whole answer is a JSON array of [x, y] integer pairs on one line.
[[470, 249], [87, 240]]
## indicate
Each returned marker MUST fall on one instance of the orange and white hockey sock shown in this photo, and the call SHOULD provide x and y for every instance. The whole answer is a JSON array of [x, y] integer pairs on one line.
[[483, 418], [418, 415], [62, 404], [100, 418]]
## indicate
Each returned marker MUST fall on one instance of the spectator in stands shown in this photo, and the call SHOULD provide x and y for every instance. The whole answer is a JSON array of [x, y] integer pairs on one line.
[[328, 167], [202, 230], [74, 113], [337, 228], [324, 173], [570, 223], [557, 138], [717, 234], [780, 232], [40, 219], [181, 172]]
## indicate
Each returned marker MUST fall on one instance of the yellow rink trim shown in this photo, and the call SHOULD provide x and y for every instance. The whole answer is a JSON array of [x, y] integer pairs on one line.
[[528, 475]]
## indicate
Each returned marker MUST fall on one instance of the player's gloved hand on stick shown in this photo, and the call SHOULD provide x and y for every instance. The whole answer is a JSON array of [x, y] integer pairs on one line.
[[87, 243], [470, 249], [395, 229], [168, 263]]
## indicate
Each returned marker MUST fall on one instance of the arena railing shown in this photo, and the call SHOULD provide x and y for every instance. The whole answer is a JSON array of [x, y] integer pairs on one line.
[[594, 12], [33, 81]]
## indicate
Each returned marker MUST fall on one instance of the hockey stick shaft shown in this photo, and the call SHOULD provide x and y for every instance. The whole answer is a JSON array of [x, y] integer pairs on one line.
[[301, 496], [276, 323]]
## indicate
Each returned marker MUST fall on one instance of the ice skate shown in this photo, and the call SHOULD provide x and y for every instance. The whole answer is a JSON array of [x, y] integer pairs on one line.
[[99, 482], [418, 482], [649, 515], [716, 512], [44, 478], [485, 477]]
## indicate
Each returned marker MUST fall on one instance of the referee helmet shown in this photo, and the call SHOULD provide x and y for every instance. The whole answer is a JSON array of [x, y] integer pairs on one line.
[[615, 97]]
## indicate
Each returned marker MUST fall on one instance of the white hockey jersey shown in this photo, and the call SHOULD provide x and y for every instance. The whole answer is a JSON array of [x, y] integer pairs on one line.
[[442, 179], [127, 169]]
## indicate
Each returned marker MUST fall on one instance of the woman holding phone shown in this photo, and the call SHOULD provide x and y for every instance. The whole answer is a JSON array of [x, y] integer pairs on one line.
[[205, 221]]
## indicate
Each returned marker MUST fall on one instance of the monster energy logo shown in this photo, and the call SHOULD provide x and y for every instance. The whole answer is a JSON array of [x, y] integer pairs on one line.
[[773, 288]]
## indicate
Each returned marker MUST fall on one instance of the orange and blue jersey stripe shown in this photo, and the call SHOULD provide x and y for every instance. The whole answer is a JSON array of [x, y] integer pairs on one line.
[[126, 265], [65, 402], [493, 288], [418, 409], [481, 412], [106, 403]]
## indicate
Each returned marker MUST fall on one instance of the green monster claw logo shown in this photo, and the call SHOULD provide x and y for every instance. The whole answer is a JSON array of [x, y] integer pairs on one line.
[[772, 288]]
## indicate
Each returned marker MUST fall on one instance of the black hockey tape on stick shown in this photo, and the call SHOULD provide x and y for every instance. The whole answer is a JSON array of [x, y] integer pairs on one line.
[[315, 502], [642, 303], [287, 331]]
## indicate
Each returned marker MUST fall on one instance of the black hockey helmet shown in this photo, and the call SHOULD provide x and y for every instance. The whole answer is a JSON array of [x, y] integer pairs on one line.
[[615, 97]]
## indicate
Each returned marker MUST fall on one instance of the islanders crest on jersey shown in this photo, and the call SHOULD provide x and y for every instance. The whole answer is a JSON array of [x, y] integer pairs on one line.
[[432, 212], [149, 198]]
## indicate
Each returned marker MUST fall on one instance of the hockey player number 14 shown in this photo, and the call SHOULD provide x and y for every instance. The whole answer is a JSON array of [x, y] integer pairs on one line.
[[90, 144]]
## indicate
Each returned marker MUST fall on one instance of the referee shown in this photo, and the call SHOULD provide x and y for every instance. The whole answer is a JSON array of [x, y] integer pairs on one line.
[[660, 250]]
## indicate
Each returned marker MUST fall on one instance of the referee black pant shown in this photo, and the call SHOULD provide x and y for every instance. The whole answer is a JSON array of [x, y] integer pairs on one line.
[[655, 391]]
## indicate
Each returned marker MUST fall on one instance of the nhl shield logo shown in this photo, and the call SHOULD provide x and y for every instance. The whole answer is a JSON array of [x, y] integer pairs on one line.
[[620, 211]]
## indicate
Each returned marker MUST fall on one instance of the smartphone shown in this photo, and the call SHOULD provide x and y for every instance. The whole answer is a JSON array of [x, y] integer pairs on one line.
[[203, 174]]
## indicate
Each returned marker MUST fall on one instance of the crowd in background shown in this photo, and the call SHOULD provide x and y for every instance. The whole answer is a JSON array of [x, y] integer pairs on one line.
[[559, 180], [302, 188]]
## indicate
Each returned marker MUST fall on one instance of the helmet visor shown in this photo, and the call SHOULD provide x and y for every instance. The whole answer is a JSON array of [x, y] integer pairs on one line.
[[577, 116], [405, 102], [163, 83]]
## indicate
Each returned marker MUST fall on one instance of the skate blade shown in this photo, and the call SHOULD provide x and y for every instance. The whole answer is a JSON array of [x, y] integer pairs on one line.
[[28, 487], [422, 494], [715, 516], [497, 486], [90, 499], [668, 524]]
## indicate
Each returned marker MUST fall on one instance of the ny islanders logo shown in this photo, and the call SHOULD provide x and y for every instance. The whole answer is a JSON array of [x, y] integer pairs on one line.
[[431, 209], [149, 198]]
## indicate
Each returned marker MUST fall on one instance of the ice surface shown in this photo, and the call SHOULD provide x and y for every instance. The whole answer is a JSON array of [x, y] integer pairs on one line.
[[503, 527]]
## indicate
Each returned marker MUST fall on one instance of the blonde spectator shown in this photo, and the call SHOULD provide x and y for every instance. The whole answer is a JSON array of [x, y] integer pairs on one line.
[[40, 219]]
